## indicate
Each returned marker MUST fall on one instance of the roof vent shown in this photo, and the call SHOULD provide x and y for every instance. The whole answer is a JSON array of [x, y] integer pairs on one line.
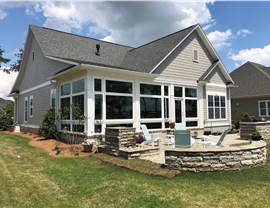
[[97, 47]]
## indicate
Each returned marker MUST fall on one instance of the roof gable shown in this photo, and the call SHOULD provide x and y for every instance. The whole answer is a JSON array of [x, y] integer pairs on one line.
[[146, 57]]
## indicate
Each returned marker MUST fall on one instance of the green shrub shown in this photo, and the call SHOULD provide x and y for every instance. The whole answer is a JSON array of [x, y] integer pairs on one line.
[[48, 127], [6, 117]]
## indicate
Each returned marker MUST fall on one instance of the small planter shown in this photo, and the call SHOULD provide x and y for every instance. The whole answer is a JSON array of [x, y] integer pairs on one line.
[[87, 147], [256, 138]]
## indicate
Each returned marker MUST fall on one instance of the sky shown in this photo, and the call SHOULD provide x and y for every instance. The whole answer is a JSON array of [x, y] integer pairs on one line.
[[237, 30]]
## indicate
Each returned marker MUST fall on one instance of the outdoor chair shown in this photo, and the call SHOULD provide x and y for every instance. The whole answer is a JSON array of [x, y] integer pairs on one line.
[[213, 143], [182, 139], [180, 126], [148, 138]]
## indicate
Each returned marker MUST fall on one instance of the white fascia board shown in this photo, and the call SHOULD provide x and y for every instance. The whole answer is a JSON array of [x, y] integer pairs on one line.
[[211, 70], [172, 50], [116, 70], [62, 60]]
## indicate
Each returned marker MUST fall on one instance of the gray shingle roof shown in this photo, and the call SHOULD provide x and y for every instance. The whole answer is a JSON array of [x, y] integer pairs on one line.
[[77, 48], [80, 49], [253, 80], [146, 57]]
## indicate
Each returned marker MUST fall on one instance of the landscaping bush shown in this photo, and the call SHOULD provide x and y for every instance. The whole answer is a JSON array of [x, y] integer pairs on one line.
[[48, 127], [6, 117]]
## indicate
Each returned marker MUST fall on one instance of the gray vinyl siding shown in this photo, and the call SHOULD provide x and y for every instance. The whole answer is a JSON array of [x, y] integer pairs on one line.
[[41, 99], [248, 105], [38, 71], [180, 65]]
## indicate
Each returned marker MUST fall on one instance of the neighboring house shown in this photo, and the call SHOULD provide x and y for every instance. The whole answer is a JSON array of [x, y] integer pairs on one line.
[[3, 102], [252, 95], [177, 78]]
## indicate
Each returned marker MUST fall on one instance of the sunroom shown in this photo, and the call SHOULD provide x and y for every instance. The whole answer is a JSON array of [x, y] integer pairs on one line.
[[121, 99]]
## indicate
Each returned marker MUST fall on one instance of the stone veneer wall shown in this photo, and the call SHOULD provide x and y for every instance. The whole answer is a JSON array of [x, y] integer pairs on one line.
[[217, 159], [118, 137], [247, 128]]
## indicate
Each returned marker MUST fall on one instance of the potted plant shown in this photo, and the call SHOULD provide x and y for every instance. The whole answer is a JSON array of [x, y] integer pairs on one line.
[[172, 125], [139, 139], [256, 136], [88, 145]]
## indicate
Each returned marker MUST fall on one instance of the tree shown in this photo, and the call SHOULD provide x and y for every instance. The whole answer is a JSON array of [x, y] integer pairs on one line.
[[16, 66], [3, 60], [6, 117]]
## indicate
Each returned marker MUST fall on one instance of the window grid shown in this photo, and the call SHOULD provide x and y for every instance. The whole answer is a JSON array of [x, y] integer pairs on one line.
[[216, 107]]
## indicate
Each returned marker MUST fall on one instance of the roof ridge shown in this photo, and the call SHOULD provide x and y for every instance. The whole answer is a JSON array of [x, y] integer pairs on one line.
[[259, 69], [81, 36], [163, 37]]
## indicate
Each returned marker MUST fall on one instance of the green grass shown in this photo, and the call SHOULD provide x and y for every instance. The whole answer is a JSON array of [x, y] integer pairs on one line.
[[39, 180]]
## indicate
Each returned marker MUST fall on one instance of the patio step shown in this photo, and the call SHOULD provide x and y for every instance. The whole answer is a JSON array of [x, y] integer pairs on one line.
[[149, 154]]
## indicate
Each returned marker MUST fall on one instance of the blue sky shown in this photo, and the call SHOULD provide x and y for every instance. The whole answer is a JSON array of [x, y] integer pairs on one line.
[[237, 30]]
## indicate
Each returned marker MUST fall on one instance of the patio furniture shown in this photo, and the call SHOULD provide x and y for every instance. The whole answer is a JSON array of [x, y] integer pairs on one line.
[[148, 138], [180, 126], [169, 139], [182, 139], [204, 143], [220, 139]]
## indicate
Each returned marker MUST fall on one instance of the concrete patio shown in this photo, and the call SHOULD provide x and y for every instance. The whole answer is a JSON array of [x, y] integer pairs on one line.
[[230, 139]]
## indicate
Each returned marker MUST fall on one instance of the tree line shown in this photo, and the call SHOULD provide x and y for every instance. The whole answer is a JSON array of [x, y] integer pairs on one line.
[[13, 67]]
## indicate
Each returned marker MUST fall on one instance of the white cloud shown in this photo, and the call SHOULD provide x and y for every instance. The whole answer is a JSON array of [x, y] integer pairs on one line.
[[108, 39], [220, 39], [6, 83], [243, 32], [2, 14], [130, 23], [257, 55]]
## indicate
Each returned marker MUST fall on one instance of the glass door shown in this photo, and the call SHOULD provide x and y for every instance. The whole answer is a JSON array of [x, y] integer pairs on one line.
[[178, 111]]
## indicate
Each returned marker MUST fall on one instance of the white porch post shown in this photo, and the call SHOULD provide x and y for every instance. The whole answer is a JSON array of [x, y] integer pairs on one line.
[[136, 106], [171, 104], [200, 107], [90, 104]]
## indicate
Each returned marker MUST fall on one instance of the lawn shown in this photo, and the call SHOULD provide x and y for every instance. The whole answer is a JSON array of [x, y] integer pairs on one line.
[[29, 177]]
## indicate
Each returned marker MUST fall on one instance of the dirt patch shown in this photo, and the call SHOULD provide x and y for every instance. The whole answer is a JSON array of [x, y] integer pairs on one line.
[[54, 147]]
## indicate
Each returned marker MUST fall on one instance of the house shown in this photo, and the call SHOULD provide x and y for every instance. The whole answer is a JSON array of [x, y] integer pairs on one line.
[[177, 78], [252, 95], [4, 103]]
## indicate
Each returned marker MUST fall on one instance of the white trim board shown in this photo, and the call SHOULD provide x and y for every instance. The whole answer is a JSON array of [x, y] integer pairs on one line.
[[36, 87]]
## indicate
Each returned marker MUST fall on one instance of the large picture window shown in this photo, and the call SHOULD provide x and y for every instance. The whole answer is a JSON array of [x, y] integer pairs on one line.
[[118, 107], [216, 107], [264, 108], [150, 107], [72, 105]]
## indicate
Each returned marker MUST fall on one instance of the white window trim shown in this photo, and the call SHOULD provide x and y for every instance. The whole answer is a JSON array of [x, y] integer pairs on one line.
[[53, 92], [193, 52], [25, 110], [31, 106], [226, 110], [71, 121], [267, 111]]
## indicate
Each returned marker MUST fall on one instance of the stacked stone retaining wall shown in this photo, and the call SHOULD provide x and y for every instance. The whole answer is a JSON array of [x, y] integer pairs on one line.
[[247, 128], [118, 137], [217, 159]]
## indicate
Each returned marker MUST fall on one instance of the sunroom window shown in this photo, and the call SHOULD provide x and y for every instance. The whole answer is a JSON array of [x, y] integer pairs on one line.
[[216, 107]]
